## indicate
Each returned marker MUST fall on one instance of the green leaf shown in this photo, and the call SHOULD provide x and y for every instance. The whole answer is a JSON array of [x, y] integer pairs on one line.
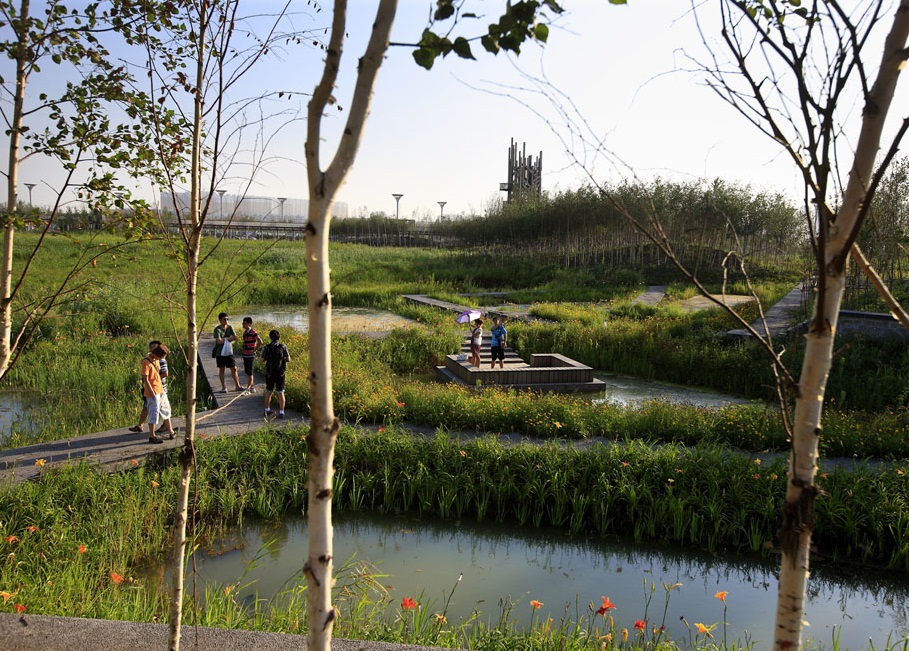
[[541, 32], [461, 47], [424, 57]]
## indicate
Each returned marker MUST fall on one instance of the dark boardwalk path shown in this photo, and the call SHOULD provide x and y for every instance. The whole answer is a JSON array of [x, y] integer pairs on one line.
[[236, 413]]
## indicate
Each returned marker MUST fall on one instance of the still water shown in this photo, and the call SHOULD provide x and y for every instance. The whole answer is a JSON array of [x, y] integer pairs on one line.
[[630, 391], [15, 415], [423, 559], [345, 320]]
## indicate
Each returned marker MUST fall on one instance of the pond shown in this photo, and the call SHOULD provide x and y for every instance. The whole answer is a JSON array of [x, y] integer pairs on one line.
[[14, 413], [423, 560], [630, 391], [345, 320]]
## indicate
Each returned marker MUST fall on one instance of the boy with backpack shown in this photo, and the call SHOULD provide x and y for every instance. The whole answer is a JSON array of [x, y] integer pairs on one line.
[[275, 356]]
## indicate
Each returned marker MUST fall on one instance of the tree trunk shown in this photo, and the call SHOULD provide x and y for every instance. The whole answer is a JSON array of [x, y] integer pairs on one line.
[[188, 453], [798, 510], [12, 197], [323, 186]]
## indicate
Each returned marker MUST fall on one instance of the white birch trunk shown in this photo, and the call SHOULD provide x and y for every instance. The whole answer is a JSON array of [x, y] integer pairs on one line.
[[798, 509], [188, 453], [12, 201], [323, 186]]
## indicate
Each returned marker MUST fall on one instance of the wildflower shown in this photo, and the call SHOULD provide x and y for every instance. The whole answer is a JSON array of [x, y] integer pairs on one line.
[[82, 549], [401, 404], [462, 453], [607, 606], [536, 604], [440, 619], [640, 624], [133, 462], [154, 484], [899, 471], [227, 590], [757, 462], [8, 595], [40, 462], [704, 629], [625, 464], [31, 528], [20, 608], [721, 596], [409, 604], [382, 429], [558, 425], [116, 578], [756, 476], [624, 635], [11, 539]]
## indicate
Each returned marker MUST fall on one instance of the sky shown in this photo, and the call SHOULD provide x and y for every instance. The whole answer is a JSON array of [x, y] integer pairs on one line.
[[625, 73]]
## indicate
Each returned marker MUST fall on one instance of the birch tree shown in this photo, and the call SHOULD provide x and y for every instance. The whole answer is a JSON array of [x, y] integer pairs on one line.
[[518, 23], [70, 121], [195, 70], [795, 70]]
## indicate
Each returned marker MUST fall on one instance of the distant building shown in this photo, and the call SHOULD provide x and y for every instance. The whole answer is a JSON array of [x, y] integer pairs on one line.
[[260, 210]]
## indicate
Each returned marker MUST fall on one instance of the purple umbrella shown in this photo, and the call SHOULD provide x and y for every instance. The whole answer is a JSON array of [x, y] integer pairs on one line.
[[468, 315]]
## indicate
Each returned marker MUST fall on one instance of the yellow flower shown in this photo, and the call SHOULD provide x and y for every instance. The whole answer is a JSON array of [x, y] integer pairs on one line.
[[40, 462], [704, 629], [154, 484]]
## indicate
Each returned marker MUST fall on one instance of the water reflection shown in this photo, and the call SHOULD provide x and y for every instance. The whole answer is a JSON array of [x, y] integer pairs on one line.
[[423, 559], [14, 414], [630, 391], [346, 320]]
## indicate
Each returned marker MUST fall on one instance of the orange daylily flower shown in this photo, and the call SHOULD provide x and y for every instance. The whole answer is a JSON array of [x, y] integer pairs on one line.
[[8, 595], [535, 604], [82, 549], [401, 404], [462, 453], [11, 539], [31, 528], [607, 606], [40, 462], [408, 604], [440, 619], [133, 462], [640, 624], [721, 596], [20, 608], [154, 484], [116, 578], [381, 429]]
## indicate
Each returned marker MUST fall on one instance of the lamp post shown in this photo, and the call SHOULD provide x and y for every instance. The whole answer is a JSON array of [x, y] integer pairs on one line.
[[29, 186], [221, 205], [397, 205], [281, 200], [442, 210]]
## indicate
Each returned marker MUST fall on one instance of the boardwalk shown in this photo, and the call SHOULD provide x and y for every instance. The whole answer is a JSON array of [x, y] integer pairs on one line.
[[236, 413]]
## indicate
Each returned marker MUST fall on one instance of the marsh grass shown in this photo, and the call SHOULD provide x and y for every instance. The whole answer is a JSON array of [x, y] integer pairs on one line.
[[682, 495]]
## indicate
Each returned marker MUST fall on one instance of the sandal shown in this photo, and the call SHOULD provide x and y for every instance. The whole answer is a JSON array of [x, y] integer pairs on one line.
[[135, 428], [155, 439]]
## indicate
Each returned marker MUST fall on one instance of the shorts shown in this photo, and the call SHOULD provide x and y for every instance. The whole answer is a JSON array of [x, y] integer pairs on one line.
[[158, 409], [274, 383], [498, 352], [248, 365], [225, 362], [475, 349]]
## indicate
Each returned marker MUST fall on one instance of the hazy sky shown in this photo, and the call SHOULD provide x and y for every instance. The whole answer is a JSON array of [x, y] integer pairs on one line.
[[443, 135]]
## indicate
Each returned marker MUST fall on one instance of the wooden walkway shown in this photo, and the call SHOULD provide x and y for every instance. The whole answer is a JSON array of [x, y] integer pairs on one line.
[[119, 449]]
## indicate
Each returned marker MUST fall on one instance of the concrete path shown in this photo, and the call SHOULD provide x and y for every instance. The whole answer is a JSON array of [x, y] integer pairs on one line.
[[653, 295], [779, 318], [113, 450], [41, 633]]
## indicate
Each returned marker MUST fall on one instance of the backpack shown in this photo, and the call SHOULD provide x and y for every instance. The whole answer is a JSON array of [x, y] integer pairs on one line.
[[275, 358]]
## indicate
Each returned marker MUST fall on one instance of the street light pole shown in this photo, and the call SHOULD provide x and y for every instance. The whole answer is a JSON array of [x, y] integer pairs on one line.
[[29, 186], [397, 205], [281, 200], [442, 210], [221, 206]]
